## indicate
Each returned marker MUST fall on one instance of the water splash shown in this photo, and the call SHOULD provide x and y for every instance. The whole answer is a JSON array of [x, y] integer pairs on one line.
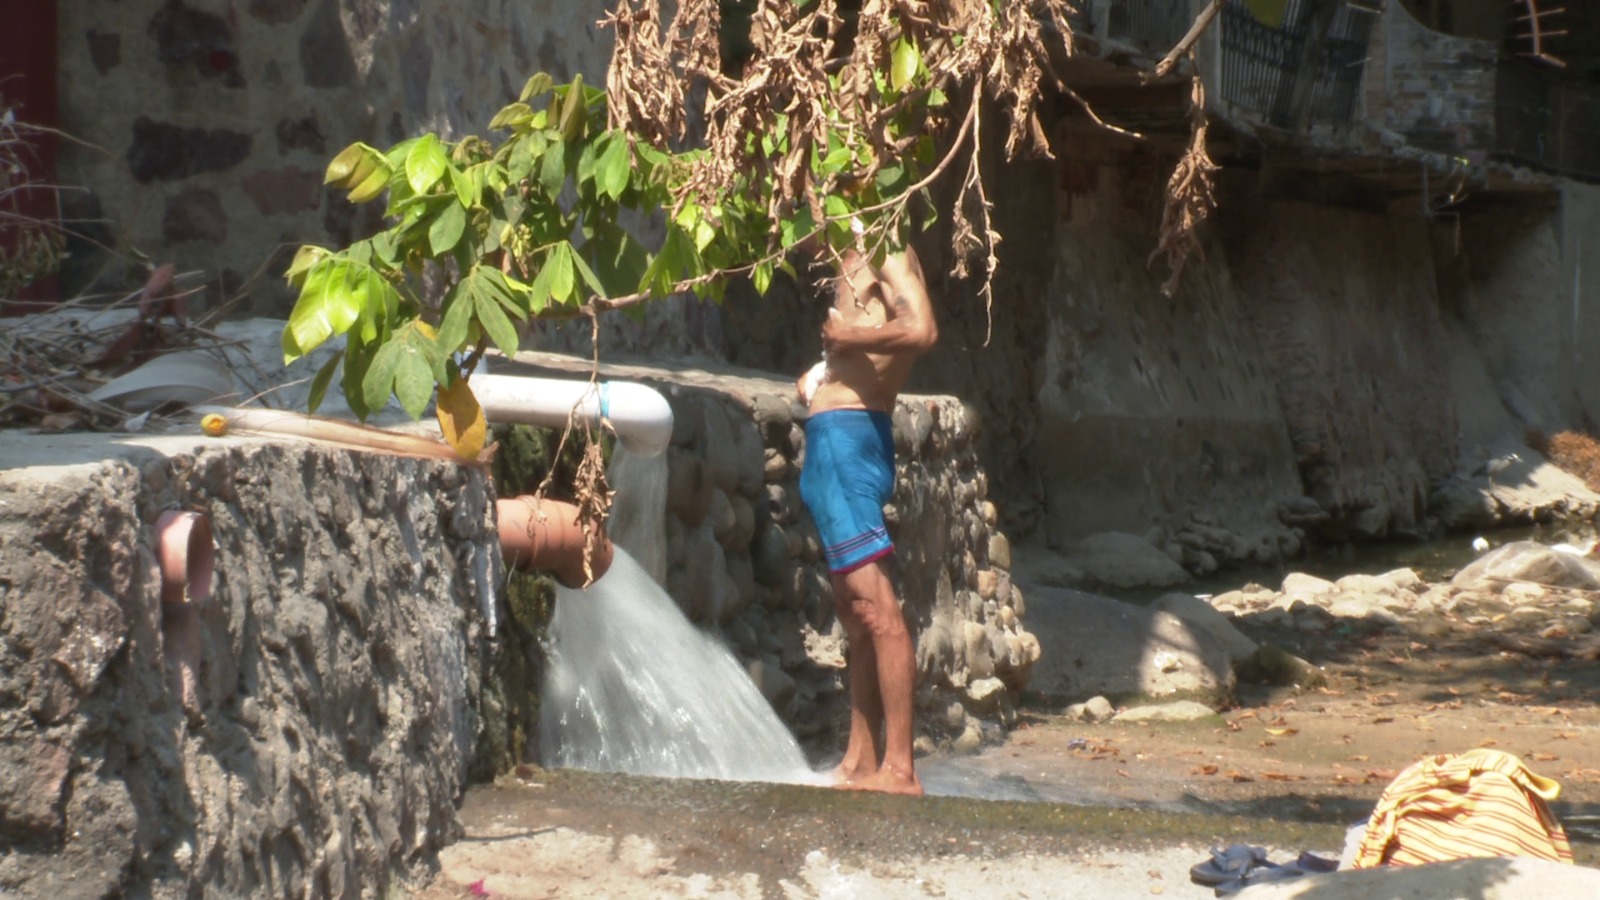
[[639, 510], [633, 686]]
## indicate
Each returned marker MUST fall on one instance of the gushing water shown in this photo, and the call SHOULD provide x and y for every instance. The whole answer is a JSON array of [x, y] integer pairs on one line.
[[634, 687]]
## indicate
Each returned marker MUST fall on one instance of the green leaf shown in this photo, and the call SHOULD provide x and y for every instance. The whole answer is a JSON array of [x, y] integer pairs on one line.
[[326, 307], [405, 365], [553, 168], [319, 384], [426, 163], [619, 260], [936, 97], [586, 161], [494, 320], [458, 309], [761, 276], [465, 187], [308, 256], [611, 176], [511, 116], [537, 86], [378, 382], [413, 382], [586, 273], [574, 111], [445, 232], [357, 358], [352, 166], [372, 185], [905, 58]]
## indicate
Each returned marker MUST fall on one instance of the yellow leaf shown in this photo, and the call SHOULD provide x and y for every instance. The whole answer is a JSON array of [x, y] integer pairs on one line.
[[1282, 732], [461, 419]]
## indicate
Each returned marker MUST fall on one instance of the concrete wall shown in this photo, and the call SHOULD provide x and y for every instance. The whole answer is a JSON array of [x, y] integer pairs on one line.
[[209, 123], [339, 662]]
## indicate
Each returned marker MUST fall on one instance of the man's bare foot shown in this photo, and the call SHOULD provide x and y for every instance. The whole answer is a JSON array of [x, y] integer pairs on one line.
[[885, 780], [848, 773]]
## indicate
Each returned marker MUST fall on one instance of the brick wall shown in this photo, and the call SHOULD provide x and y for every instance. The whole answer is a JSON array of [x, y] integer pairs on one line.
[[1435, 90]]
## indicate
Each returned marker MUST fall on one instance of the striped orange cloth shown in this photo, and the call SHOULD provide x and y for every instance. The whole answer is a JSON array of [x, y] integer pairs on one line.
[[1481, 803]]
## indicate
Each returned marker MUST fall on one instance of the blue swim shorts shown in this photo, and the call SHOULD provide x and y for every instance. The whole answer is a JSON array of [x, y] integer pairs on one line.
[[847, 478]]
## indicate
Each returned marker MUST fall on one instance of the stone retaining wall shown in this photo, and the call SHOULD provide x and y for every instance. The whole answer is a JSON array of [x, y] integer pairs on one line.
[[743, 555], [341, 657]]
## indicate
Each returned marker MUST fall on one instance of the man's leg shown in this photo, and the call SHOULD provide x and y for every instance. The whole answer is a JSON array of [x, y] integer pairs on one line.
[[866, 704], [872, 600]]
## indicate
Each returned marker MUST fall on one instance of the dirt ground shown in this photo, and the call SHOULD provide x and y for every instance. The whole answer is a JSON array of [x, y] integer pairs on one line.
[[1062, 809]]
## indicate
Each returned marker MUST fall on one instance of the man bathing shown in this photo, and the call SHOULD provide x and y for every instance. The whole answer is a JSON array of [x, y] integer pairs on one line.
[[877, 327]]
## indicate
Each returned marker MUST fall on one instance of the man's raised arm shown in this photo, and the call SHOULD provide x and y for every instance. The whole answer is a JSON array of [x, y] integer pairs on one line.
[[910, 327]]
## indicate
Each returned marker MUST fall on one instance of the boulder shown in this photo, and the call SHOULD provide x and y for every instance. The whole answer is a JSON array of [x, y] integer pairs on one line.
[[1097, 645], [1120, 560], [1532, 562], [1202, 615]]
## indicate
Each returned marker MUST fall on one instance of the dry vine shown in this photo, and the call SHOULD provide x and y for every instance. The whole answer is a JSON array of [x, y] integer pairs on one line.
[[1191, 194]]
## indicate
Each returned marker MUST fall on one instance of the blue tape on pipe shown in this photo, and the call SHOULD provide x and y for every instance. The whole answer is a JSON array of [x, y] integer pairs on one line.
[[605, 399]]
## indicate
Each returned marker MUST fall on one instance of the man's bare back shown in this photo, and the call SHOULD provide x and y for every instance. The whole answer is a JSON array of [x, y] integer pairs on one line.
[[878, 328]]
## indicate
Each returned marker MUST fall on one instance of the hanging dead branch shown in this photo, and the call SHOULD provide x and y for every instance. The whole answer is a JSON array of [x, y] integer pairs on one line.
[[1190, 194], [799, 84]]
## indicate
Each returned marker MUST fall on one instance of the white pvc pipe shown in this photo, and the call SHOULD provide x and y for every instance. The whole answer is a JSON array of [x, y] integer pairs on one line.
[[639, 415]]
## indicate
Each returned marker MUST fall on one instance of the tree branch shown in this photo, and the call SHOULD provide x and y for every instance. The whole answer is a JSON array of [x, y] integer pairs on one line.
[[1201, 22]]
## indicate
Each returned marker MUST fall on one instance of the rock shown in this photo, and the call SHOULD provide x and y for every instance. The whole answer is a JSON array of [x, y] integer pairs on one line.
[[1177, 711], [744, 523], [768, 555], [1273, 665], [722, 518], [1403, 579], [912, 423], [773, 683], [774, 466], [779, 505], [1095, 709], [955, 717], [990, 514], [1365, 584], [773, 415], [986, 695], [751, 458], [1363, 607], [722, 447], [1523, 593], [1022, 652], [999, 551], [936, 651], [688, 419], [1529, 561], [1201, 614], [1299, 584], [970, 740], [979, 655], [1121, 560], [688, 487], [1096, 645]]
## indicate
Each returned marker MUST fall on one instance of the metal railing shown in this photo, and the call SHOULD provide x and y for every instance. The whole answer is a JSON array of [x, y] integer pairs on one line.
[[1546, 122], [1266, 69], [1153, 26]]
